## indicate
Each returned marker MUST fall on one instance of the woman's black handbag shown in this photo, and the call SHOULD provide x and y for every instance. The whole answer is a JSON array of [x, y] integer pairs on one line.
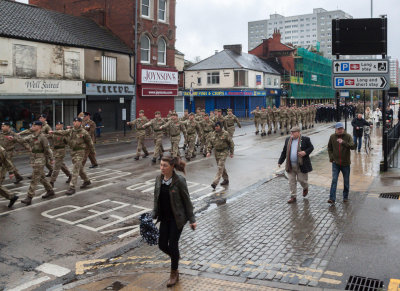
[[148, 230]]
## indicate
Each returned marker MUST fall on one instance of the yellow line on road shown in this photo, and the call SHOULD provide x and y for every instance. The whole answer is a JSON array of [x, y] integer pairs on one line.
[[394, 285], [333, 273], [330, 281]]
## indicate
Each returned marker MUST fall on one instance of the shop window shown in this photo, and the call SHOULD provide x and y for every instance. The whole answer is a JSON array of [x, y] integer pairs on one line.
[[145, 49], [213, 78], [72, 65], [25, 60], [162, 10], [162, 52], [108, 69], [146, 8], [241, 78]]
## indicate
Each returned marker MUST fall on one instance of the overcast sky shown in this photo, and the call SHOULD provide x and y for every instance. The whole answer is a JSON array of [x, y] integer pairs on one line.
[[204, 26]]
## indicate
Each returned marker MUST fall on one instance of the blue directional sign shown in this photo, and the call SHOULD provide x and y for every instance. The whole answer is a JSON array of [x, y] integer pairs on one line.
[[339, 82], [345, 67]]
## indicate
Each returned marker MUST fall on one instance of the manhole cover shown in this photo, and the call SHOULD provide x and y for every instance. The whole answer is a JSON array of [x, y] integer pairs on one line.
[[117, 285], [363, 284], [390, 195]]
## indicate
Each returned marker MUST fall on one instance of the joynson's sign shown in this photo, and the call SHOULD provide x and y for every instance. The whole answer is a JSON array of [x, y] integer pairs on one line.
[[159, 77], [109, 89], [15, 86]]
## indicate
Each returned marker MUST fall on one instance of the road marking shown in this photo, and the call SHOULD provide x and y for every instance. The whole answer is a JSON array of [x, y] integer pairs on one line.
[[30, 284], [333, 273], [52, 269], [330, 281], [394, 285]]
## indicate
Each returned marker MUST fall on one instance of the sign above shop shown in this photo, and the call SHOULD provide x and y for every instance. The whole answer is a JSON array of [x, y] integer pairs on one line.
[[159, 77], [159, 92], [109, 89], [40, 86], [217, 93]]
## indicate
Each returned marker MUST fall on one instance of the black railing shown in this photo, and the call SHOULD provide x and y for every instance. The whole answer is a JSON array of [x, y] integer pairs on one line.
[[393, 138]]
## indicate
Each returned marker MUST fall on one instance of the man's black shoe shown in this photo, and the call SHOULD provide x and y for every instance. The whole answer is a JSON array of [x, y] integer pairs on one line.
[[85, 184], [93, 166], [12, 201], [137, 158], [70, 192], [49, 194], [18, 179], [153, 160], [146, 155], [214, 186]]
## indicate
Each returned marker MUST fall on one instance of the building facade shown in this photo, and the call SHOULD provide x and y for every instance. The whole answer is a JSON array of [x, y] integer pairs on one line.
[[306, 30], [394, 72], [155, 38], [231, 79]]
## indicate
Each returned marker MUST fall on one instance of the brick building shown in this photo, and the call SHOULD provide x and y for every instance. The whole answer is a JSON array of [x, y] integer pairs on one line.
[[155, 47]]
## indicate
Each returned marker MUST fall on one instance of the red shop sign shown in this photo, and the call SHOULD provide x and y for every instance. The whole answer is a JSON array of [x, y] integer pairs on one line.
[[159, 92]]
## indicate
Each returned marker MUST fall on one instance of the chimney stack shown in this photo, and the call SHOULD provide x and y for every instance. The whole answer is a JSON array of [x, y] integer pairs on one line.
[[236, 48]]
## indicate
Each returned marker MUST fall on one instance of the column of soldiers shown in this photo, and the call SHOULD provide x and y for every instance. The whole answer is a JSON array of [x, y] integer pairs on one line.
[[36, 141]]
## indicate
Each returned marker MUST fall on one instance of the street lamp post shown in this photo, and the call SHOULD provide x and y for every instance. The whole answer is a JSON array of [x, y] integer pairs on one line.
[[191, 96]]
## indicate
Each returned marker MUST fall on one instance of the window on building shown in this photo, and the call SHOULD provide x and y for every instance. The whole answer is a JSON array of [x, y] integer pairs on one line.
[[72, 65], [276, 82], [144, 49], [269, 81], [108, 69], [25, 60], [199, 81], [213, 78], [146, 8], [162, 52], [241, 78], [162, 10]]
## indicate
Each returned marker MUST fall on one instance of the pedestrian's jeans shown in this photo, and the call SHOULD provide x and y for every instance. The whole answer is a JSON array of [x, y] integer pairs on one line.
[[336, 169], [168, 241], [357, 141], [98, 129]]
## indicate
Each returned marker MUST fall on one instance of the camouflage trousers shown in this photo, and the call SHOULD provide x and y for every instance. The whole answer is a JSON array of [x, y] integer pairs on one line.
[[298, 121], [191, 140], [205, 139], [78, 168], [37, 162], [275, 123], [59, 155], [305, 123], [140, 145], [293, 123], [3, 190], [283, 124], [158, 147], [175, 140], [48, 164], [263, 124], [14, 169], [92, 157], [231, 131], [257, 123], [221, 157]]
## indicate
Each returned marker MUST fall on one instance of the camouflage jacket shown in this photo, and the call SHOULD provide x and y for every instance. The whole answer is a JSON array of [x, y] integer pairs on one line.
[[192, 127], [9, 144], [256, 114], [39, 145], [156, 124], [175, 128], [5, 162], [207, 126], [264, 115], [78, 139], [230, 121], [221, 141], [139, 123]]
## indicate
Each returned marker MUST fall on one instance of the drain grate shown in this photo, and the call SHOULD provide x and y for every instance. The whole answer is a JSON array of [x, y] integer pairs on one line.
[[117, 285], [393, 195], [358, 283]]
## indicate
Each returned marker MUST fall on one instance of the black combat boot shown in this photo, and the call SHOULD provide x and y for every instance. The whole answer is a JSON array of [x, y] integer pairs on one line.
[[225, 182], [153, 160], [85, 184], [93, 166], [12, 201], [146, 154], [18, 178], [49, 194], [214, 186], [70, 192], [137, 158], [27, 200], [69, 179], [50, 173]]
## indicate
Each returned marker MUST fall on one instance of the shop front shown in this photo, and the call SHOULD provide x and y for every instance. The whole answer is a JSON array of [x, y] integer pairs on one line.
[[114, 100], [273, 97], [23, 100], [242, 102], [157, 90]]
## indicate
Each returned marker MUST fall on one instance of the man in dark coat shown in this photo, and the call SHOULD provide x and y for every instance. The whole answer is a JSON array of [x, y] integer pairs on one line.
[[358, 124], [297, 152], [98, 120]]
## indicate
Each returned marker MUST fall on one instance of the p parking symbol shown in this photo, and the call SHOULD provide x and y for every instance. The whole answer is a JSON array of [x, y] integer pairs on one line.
[[339, 82]]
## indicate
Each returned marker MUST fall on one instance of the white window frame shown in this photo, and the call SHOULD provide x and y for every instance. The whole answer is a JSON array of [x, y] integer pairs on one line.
[[108, 69], [144, 49], [213, 78], [159, 10], [164, 53], [148, 7]]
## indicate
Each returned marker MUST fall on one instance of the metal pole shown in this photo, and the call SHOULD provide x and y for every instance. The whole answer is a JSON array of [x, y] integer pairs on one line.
[[385, 131], [345, 113], [337, 100], [364, 103], [372, 91], [133, 103]]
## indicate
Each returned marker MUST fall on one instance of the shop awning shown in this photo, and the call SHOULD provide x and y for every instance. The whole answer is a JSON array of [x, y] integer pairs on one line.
[[41, 97]]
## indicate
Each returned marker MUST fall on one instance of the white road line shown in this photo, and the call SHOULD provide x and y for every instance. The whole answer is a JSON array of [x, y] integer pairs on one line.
[[120, 176], [30, 284], [208, 194], [54, 199], [52, 269]]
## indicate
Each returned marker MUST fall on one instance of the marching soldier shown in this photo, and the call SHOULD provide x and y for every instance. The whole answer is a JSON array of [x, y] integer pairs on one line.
[[90, 127], [230, 121], [224, 147], [192, 127], [298, 116], [292, 116], [9, 146], [219, 117], [175, 128], [80, 142], [211, 117], [140, 134], [257, 119], [185, 116], [207, 128], [275, 118], [264, 118], [314, 115], [59, 152], [40, 150], [283, 120], [304, 117], [6, 164], [270, 119], [156, 124]]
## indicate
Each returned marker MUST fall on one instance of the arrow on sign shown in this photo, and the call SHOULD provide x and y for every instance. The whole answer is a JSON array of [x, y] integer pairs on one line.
[[337, 67], [383, 82]]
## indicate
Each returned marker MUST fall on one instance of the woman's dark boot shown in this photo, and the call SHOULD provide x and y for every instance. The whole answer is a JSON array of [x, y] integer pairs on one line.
[[173, 278]]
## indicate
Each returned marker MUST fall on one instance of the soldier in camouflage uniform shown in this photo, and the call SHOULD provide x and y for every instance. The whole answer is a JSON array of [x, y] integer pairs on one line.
[[9, 146], [257, 119], [314, 115], [304, 118], [175, 128], [6, 165], [220, 118], [283, 120], [185, 116], [40, 149], [270, 119], [156, 124], [309, 116], [264, 118], [211, 117], [192, 127], [59, 152], [230, 120], [207, 127], [223, 146], [79, 141], [298, 116], [275, 118], [90, 127], [140, 134], [292, 116], [199, 119]]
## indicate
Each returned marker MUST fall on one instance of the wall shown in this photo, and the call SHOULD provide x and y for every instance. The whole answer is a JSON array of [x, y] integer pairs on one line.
[[179, 62], [226, 79], [41, 60], [93, 68]]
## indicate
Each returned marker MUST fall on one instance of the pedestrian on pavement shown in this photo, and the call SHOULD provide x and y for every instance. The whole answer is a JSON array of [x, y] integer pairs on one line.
[[98, 120], [173, 208], [224, 147], [339, 146], [297, 152], [358, 124], [377, 116]]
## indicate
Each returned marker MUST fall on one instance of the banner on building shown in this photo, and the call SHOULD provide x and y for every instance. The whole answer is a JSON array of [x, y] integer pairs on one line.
[[109, 89], [217, 93], [159, 92], [159, 77], [40, 87]]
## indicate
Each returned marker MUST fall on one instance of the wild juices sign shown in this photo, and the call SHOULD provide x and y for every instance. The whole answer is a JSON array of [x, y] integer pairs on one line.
[[159, 77]]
